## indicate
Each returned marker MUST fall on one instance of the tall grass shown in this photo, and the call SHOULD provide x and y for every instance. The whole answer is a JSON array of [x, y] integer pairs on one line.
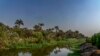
[[31, 42]]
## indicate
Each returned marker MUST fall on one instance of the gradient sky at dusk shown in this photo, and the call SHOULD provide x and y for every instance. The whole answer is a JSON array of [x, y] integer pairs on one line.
[[82, 15]]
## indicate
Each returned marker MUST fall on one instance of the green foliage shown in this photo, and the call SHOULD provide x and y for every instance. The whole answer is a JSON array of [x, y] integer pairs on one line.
[[96, 40], [18, 37], [38, 35]]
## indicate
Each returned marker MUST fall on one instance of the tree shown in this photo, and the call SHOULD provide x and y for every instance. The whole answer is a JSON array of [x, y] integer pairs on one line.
[[60, 35], [1, 24], [18, 23], [57, 28], [50, 30], [69, 33], [76, 34], [38, 27], [96, 40], [41, 25]]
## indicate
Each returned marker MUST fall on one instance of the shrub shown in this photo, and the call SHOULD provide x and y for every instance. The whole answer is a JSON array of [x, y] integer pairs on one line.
[[96, 40]]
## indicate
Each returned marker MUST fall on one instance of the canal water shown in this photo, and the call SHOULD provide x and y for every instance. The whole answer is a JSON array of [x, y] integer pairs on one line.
[[48, 51]]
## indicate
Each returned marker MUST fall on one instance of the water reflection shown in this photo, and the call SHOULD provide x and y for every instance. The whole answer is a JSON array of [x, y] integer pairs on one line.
[[60, 52], [24, 54], [48, 51], [57, 50]]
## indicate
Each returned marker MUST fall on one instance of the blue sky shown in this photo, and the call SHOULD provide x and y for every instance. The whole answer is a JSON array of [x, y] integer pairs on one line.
[[82, 15]]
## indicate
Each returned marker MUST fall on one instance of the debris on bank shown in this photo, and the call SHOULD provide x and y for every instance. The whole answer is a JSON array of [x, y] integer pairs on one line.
[[87, 49]]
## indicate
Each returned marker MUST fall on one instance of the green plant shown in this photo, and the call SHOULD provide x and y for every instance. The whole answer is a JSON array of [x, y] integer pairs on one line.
[[96, 40]]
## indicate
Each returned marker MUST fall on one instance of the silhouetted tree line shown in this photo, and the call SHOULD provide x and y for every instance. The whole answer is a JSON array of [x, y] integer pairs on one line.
[[51, 33]]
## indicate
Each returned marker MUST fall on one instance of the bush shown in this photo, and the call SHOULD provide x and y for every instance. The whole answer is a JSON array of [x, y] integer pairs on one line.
[[38, 35], [96, 40]]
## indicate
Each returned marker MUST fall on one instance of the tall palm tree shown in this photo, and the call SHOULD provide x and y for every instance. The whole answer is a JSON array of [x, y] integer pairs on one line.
[[41, 26], [36, 28], [19, 22], [57, 28]]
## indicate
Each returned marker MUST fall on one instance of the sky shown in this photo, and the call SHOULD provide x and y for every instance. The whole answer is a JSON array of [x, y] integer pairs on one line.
[[82, 15]]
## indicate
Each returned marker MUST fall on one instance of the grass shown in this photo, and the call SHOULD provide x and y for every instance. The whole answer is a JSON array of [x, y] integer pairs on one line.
[[75, 46], [36, 45], [20, 43], [76, 53]]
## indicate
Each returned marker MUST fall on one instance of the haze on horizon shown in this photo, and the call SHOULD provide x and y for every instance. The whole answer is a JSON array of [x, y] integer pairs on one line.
[[81, 15]]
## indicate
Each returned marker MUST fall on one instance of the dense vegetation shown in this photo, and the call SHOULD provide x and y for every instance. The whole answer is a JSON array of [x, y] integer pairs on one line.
[[96, 40], [18, 37]]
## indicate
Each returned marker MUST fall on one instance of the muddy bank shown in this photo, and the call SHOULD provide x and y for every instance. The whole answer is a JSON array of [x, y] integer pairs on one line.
[[87, 49]]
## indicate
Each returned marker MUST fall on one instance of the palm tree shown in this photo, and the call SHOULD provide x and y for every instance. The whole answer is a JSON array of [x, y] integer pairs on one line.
[[19, 22], [36, 28], [50, 30], [76, 34], [41, 24], [57, 31], [76, 31], [57, 28]]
